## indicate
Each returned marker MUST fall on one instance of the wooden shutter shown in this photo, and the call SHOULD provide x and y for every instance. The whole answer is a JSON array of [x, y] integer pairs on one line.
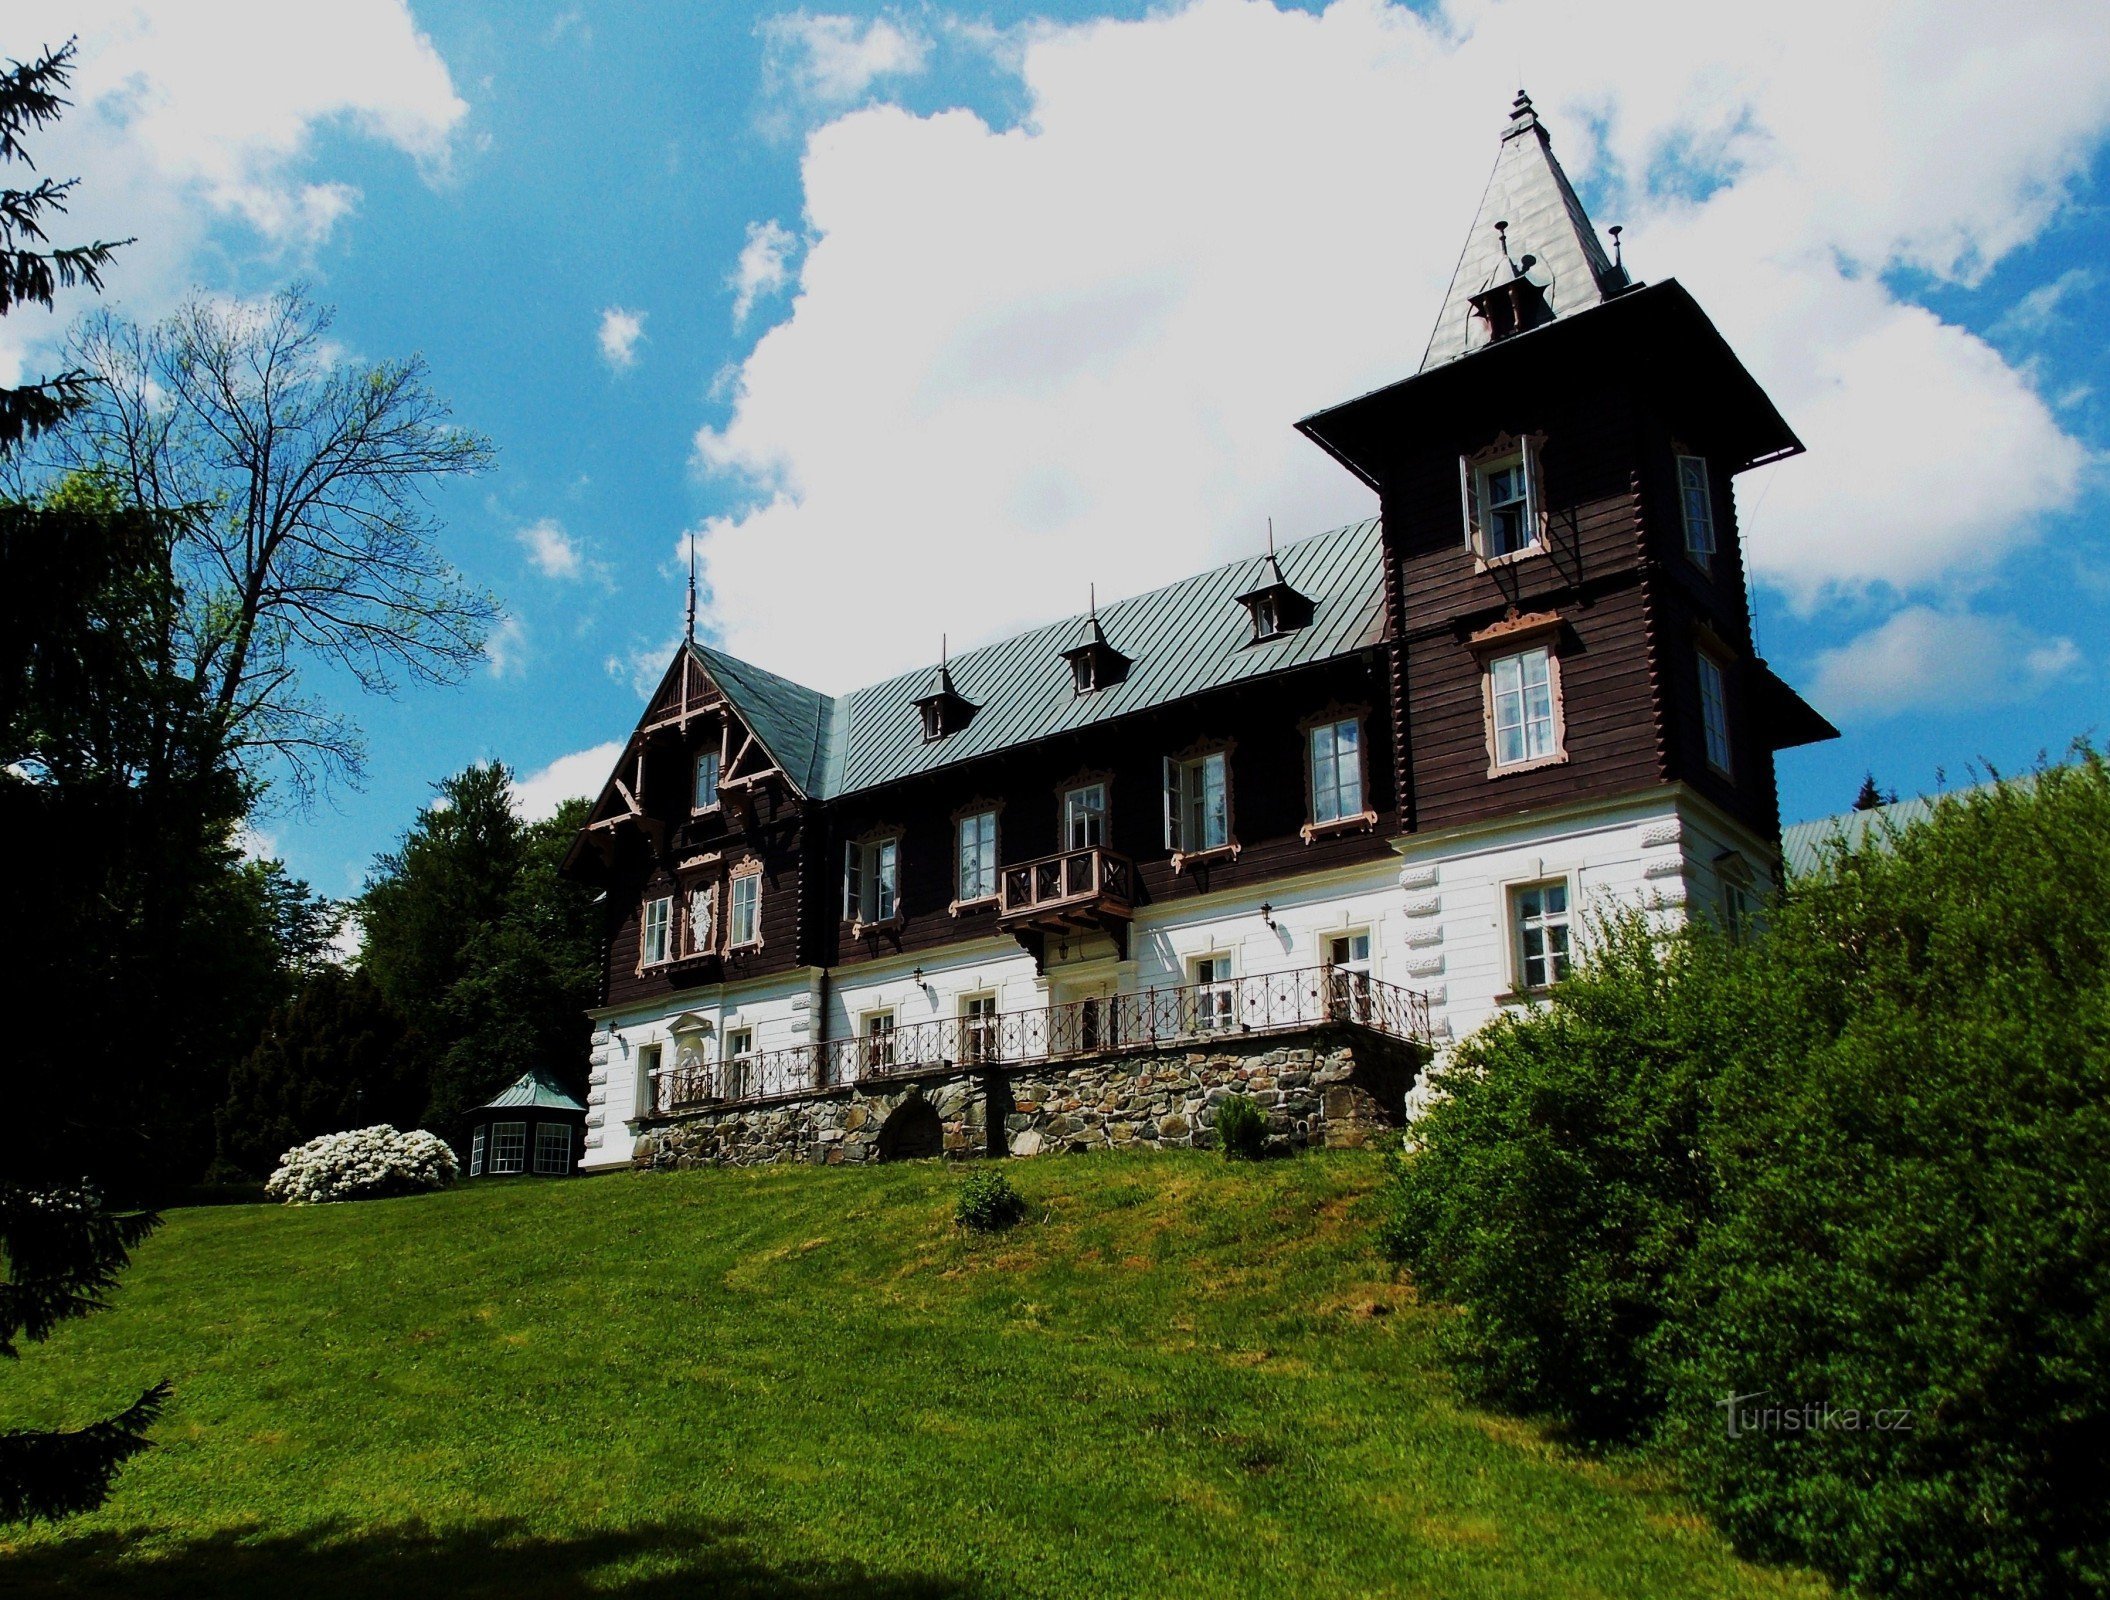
[[1172, 804], [1469, 500], [1534, 491]]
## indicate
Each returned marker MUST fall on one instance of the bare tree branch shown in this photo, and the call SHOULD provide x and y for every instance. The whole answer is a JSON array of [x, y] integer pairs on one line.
[[311, 545]]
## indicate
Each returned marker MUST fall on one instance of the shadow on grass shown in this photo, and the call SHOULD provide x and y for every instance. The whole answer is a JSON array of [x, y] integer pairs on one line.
[[500, 1560]]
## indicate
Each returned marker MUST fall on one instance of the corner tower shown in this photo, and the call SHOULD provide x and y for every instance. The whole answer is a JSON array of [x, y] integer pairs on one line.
[[1564, 577]]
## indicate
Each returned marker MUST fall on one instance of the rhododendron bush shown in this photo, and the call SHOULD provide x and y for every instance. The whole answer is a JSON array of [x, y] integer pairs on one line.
[[364, 1164]]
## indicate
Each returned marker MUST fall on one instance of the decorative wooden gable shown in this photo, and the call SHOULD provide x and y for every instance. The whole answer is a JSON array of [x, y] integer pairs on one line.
[[658, 780]]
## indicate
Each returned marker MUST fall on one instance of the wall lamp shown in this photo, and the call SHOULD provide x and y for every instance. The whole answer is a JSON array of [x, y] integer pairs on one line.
[[1267, 913], [916, 977]]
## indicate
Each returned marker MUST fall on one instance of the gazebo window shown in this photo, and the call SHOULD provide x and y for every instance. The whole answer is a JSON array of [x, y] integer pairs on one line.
[[508, 1147], [552, 1147], [476, 1154]]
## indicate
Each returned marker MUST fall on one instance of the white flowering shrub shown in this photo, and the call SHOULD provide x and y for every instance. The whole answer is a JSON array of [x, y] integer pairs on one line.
[[364, 1164]]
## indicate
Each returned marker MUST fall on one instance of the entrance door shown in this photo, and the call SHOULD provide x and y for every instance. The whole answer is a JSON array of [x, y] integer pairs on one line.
[[1087, 1018], [1348, 975]]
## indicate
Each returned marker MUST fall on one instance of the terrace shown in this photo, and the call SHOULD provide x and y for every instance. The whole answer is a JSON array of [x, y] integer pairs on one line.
[[1143, 1023]]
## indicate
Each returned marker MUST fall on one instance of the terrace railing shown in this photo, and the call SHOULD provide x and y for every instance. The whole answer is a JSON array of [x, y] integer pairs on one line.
[[1123, 1024]]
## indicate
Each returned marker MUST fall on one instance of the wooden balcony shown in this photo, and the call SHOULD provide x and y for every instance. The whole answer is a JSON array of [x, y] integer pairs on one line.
[[1066, 896]]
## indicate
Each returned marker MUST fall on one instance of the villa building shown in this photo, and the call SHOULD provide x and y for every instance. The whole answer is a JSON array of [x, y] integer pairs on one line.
[[1281, 828]]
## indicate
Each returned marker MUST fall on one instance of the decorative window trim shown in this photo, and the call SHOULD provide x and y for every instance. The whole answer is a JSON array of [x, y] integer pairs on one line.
[[880, 834], [1351, 822], [1513, 933], [978, 808], [696, 758], [1559, 754], [1088, 779], [670, 893], [1529, 449], [1230, 849], [746, 867]]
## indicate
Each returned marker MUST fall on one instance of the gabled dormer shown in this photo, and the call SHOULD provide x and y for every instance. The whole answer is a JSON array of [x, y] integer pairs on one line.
[[944, 710], [1093, 662], [1273, 604]]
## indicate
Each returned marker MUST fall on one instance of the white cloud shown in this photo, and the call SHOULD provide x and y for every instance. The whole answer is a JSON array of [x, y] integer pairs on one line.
[[642, 665], [1020, 360], [554, 552], [764, 269], [578, 775], [620, 332], [2035, 312], [828, 61], [190, 115], [505, 651], [1923, 659]]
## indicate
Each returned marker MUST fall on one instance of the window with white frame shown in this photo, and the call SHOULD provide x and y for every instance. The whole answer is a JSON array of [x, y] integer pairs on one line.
[[645, 1098], [871, 880], [1337, 770], [1084, 816], [744, 920], [976, 877], [552, 1148], [1500, 487], [1197, 803], [508, 1147], [1714, 713], [706, 790], [978, 1027], [733, 1062], [1521, 707], [703, 919], [1739, 906], [878, 1031], [476, 1154], [655, 937], [1215, 993], [1696, 505], [1539, 917]]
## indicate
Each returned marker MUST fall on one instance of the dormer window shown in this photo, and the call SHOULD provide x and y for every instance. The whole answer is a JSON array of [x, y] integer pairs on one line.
[[1094, 663], [945, 711], [1274, 607]]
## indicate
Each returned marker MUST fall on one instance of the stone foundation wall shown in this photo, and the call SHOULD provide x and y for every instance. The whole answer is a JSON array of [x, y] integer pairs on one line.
[[1320, 1088]]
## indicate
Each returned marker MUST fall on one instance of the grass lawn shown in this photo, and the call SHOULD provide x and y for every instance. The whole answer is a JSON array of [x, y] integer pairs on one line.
[[1181, 1378]]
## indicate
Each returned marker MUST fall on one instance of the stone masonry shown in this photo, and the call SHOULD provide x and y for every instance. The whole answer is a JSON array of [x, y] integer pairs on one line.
[[1319, 1087]]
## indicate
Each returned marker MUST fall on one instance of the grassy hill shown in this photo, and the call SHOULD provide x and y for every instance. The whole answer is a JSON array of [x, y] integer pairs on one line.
[[1181, 1377]]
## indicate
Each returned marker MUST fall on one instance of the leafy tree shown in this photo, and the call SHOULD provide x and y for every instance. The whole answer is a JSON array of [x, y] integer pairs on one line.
[[30, 99], [312, 548], [74, 578], [337, 1057], [489, 954]]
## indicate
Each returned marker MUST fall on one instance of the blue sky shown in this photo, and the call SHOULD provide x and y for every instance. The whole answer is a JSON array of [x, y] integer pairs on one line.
[[1034, 296]]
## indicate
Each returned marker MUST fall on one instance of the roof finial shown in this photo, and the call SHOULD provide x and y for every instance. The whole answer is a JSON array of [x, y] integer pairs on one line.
[[689, 630], [1271, 538], [1094, 591], [944, 652], [1521, 106], [1618, 260]]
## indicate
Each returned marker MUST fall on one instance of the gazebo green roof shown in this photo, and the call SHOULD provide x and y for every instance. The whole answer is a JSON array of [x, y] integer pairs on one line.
[[531, 1091]]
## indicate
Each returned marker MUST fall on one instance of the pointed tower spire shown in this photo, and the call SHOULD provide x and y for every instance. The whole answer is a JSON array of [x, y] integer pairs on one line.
[[689, 631], [1532, 254]]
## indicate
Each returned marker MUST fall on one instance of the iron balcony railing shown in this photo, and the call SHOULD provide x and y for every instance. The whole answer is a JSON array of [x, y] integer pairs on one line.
[[1123, 1024], [1088, 877]]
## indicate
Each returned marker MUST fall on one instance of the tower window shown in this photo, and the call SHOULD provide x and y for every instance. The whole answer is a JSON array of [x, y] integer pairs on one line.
[[1504, 499], [1523, 694], [1696, 504], [1714, 713]]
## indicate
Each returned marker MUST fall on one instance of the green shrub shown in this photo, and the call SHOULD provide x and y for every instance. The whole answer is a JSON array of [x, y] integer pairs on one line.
[[1556, 1188], [1242, 1126], [988, 1203], [1858, 1165]]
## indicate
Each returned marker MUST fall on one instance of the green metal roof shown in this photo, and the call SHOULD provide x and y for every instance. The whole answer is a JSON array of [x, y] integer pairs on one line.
[[1181, 640], [531, 1091], [789, 718], [1803, 845]]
